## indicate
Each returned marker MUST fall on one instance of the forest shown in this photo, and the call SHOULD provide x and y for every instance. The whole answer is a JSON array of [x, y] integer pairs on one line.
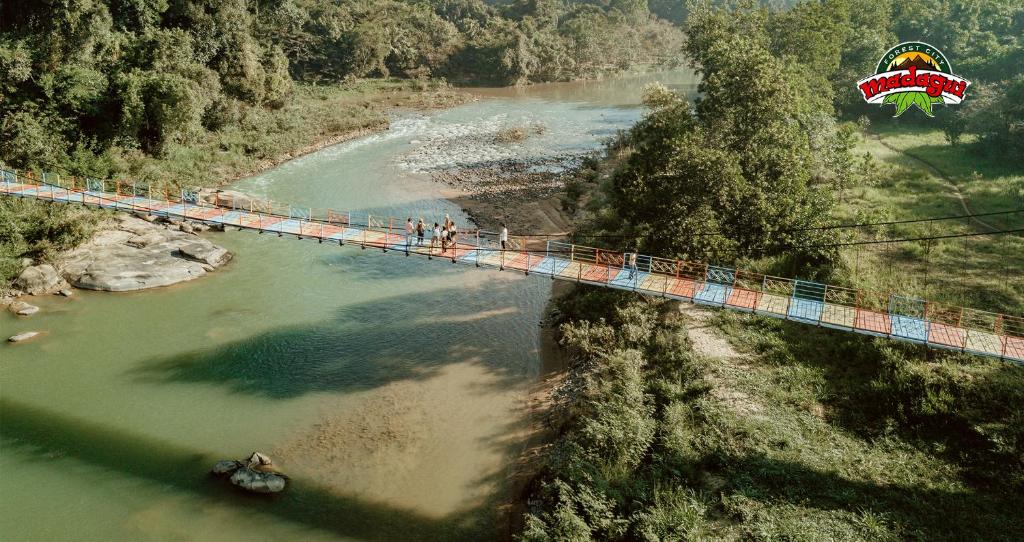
[[197, 92]]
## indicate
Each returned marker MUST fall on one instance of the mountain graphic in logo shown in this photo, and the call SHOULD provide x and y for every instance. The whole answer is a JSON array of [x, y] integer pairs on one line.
[[913, 74], [919, 62]]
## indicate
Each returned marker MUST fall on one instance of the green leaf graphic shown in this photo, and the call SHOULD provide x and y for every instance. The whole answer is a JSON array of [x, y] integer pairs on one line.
[[904, 100]]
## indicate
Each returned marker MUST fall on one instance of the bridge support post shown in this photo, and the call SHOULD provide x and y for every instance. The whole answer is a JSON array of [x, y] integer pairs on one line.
[[547, 254]]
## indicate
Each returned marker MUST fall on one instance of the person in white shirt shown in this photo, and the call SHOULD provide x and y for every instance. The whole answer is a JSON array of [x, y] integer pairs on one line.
[[436, 238], [409, 231], [504, 236]]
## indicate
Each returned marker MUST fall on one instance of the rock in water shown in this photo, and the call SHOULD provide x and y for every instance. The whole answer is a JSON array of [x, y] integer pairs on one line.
[[254, 474], [257, 460], [28, 311], [140, 255], [23, 336], [226, 466], [259, 482], [23, 309], [39, 279], [66, 292], [204, 252]]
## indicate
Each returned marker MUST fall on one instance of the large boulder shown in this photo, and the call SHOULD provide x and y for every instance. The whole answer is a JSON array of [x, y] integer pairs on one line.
[[203, 251], [122, 268], [39, 279], [140, 255]]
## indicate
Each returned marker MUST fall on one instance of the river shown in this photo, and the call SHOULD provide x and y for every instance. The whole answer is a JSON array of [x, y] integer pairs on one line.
[[390, 389]]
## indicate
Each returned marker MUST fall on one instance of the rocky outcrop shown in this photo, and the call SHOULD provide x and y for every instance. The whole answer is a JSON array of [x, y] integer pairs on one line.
[[40, 279], [137, 255]]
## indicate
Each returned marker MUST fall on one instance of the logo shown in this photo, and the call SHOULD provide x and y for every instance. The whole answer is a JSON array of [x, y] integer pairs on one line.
[[913, 73]]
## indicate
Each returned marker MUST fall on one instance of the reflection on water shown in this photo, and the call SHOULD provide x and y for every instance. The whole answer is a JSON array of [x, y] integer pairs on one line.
[[390, 388]]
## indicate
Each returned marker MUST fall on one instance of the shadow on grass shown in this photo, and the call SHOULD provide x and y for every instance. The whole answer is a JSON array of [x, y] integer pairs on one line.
[[45, 435], [959, 411], [919, 512]]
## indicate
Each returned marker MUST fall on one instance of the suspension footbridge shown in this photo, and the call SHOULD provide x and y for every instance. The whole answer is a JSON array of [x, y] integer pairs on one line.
[[880, 314]]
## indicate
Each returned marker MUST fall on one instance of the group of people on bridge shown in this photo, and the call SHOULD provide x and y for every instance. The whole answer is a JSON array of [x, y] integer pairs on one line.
[[444, 235]]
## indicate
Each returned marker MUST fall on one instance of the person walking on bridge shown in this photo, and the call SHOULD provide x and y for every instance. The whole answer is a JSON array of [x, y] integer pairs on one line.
[[409, 230], [420, 227], [504, 236], [631, 260], [435, 238]]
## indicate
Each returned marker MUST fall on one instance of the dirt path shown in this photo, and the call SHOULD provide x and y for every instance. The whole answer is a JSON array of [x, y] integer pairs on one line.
[[707, 341], [954, 189]]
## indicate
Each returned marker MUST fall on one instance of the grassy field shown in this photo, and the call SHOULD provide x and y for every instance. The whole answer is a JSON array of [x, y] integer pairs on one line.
[[881, 445], [848, 438], [980, 272]]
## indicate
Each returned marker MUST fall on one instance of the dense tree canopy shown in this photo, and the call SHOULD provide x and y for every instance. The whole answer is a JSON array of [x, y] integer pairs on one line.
[[84, 75]]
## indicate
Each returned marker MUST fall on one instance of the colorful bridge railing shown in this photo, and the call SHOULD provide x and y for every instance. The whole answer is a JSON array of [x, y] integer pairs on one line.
[[860, 311]]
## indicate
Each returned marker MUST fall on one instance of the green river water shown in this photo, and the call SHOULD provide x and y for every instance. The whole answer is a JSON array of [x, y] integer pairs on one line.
[[391, 389]]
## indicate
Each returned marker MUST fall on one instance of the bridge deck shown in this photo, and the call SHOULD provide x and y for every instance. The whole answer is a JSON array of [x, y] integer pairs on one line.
[[871, 313]]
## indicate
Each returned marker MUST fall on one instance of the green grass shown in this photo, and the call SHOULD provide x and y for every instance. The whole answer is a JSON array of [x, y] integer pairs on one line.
[[802, 434], [977, 271], [864, 439]]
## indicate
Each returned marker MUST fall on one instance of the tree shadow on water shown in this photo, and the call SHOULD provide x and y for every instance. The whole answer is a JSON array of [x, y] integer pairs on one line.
[[45, 435], [363, 346]]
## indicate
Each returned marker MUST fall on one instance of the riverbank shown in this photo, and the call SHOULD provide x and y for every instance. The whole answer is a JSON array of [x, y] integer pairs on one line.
[[313, 118]]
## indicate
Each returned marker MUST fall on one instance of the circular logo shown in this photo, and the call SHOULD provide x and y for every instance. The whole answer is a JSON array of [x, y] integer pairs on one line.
[[913, 73]]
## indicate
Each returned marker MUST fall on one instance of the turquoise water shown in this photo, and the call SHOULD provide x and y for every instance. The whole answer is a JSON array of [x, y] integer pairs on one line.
[[391, 389]]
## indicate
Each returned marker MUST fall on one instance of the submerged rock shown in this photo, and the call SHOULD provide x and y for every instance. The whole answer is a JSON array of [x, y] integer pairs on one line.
[[23, 336]]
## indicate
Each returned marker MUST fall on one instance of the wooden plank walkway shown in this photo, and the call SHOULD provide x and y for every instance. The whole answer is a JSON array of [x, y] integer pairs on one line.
[[870, 313]]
